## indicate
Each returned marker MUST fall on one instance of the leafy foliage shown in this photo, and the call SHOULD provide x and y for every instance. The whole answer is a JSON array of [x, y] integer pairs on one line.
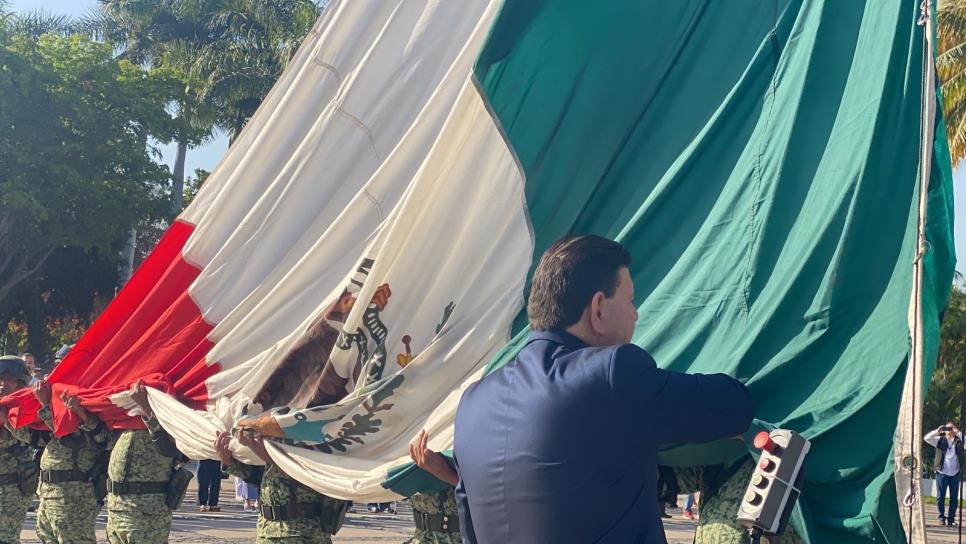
[[82, 104], [228, 53], [77, 171], [150, 232]]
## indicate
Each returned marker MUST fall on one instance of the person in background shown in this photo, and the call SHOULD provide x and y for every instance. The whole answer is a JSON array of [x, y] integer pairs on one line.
[[948, 441], [63, 351], [377, 507], [667, 489], [247, 493], [209, 485], [31, 362], [690, 506]]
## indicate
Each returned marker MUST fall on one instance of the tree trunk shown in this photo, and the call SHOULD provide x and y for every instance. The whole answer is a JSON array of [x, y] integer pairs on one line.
[[22, 271], [177, 185], [126, 267]]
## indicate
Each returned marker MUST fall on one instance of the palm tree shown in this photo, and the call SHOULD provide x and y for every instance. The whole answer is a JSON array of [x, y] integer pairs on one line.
[[230, 53], [140, 31], [6, 18], [951, 68], [253, 43], [41, 21], [143, 31], [138, 28], [32, 23]]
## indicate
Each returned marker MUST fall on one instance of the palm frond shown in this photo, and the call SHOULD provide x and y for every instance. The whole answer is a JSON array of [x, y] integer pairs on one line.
[[41, 21], [951, 69], [230, 52]]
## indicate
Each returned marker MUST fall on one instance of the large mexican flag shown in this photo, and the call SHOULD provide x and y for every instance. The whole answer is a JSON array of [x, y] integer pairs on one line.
[[361, 255]]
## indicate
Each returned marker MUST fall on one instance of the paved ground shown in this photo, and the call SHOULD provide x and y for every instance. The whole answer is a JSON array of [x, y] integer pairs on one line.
[[233, 526], [941, 534]]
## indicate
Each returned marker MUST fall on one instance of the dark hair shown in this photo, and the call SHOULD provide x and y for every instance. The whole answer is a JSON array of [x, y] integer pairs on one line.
[[570, 273]]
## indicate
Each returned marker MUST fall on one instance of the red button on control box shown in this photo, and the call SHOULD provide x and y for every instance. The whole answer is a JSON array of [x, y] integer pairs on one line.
[[764, 442]]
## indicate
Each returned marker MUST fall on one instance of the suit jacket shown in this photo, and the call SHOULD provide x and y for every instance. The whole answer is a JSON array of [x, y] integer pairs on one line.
[[560, 445]]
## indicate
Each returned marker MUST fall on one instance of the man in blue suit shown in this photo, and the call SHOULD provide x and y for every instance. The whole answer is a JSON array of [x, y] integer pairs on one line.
[[560, 445]]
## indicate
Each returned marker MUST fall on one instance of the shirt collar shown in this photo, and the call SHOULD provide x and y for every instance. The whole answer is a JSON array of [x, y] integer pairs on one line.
[[557, 337]]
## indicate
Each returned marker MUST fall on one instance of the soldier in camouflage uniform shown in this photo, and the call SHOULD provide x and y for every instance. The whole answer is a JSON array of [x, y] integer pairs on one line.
[[141, 465], [18, 476], [436, 518], [435, 515], [68, 467], [289, 512], [722, 489]]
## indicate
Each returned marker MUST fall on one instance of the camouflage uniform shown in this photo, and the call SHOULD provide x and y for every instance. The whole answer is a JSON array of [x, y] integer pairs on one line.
[[15, 496], [68, 509], [435, 504], [718, 522], [279, 490], [142, 457]]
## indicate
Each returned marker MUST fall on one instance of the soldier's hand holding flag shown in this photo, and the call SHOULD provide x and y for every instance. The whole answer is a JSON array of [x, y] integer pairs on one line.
[[431, 461], [43, 391], [139, 395], [222, 439], [254, 442], [72, 403]]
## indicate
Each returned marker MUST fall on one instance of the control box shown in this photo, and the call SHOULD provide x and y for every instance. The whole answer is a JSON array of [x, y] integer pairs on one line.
[[776, 481]]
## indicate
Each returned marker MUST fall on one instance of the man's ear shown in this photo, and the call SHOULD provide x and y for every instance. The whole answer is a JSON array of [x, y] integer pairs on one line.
[[596, 321]]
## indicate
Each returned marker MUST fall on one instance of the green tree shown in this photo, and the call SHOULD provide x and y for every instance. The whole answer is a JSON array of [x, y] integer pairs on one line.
[[79, 172], [76, 170], [193, 184], [150, 232], [143, 31]]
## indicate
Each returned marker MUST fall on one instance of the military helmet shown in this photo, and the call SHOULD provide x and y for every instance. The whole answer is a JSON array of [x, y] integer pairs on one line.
[[14, 367]]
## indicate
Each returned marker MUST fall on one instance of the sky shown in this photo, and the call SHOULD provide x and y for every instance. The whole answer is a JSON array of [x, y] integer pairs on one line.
[[207, 156]]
